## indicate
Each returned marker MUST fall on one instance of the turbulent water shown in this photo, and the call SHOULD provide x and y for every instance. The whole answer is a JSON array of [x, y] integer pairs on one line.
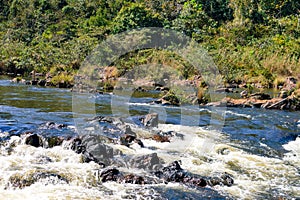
[[259, 148]]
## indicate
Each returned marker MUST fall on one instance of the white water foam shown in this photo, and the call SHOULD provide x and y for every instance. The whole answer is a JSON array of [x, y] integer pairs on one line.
[[238, 114], [202, 152]]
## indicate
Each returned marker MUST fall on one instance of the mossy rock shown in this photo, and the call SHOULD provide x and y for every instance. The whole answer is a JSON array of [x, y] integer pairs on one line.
[[170, 99]]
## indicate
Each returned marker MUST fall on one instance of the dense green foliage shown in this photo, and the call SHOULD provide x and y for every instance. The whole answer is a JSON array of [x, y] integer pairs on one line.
[[251, 41]]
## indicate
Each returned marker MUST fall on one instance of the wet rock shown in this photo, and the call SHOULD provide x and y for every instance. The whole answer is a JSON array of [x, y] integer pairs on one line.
[[174, 173], [140, 89], [94, 149], [133, 179], [162, 88], [227, 179], [147, 162], [24, 180], [34, 140], [113, 174], [167, 135], [76, 145], [50, 178], [199, 182], [52, 125], [139, 142], [223, 179], [42, 82], [160, 138], [150, 120], [54, 141], [110, 120], [110, 174], [127, 130], [126, 139], [34, 82]]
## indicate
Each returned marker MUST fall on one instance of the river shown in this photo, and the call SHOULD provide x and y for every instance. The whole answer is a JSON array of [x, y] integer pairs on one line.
[[259, 148]]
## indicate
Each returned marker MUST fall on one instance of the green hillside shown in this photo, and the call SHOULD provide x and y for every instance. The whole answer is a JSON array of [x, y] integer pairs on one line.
[[250, 41]]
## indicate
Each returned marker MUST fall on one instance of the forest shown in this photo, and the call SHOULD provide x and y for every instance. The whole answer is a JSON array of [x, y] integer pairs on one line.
[[252, 42]]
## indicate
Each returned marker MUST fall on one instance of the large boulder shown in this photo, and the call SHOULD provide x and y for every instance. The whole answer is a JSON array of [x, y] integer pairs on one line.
[[93, 148], [147, 162]]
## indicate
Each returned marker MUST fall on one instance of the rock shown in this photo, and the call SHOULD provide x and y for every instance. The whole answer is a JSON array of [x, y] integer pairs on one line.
[[150, 120], [174, 173], [76, 145], [133, 179], [140, 89], [139, 142], [160, 138], [52, 125], [34, 140], [34, 82], [227, 179], [200, 182], [170, 134], [162, 88], [54, 141], [42, 82], [113, 174], [126, 129], [94, 149], [170, 99], [223, 179], [147, 162], [126, 139], [24, 180], [62, 84], [110, 174]]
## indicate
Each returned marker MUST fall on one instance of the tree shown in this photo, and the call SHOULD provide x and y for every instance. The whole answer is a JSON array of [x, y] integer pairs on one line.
[[135, 15]]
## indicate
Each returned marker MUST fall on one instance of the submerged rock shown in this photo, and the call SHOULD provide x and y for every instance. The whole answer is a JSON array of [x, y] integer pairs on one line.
[[24, 180]]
